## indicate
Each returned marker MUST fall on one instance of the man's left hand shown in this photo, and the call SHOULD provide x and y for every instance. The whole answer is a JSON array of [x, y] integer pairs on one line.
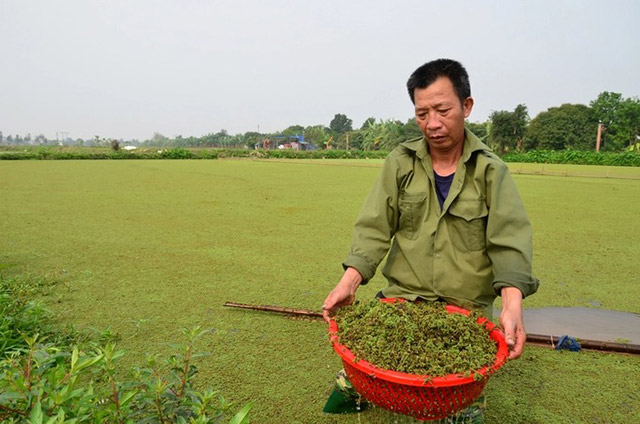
[[511, 321]]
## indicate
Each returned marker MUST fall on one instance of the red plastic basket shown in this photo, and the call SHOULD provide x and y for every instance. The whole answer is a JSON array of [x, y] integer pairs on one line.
[[419, 396]]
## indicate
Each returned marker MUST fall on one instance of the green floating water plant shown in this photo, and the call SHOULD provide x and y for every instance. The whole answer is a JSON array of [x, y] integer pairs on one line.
[[415, 337]]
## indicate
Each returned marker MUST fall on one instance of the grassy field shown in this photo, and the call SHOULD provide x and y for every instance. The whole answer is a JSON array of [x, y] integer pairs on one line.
[[161, 245], [562, 170], [568, 170]]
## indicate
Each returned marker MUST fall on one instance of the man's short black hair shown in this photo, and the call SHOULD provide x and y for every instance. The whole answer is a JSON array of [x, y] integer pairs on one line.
[[426, 75]]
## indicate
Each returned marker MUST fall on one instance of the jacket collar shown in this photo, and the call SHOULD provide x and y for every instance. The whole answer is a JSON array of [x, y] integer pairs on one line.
[[471, 144]]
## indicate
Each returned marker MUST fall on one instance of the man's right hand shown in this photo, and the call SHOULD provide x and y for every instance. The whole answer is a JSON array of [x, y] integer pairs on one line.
[[343, 294]]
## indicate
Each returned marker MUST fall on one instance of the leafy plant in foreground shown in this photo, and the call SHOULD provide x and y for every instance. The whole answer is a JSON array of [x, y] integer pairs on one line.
[[19, 313], [48, 384]]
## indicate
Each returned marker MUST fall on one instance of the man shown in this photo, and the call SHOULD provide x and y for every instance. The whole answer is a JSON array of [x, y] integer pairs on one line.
[[447, 212]]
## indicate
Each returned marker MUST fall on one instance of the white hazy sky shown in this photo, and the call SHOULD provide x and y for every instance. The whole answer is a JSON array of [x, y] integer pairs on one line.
[[127, 69]]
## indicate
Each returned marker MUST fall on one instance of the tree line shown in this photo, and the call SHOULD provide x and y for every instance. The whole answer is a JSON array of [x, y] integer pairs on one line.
[[565, 127]]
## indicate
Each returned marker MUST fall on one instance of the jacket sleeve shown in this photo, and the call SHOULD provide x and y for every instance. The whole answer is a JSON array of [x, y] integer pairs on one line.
[[509, 234], [376, 224]]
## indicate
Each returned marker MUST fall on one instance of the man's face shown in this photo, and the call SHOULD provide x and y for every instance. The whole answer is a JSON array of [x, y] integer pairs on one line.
[[440, 115]]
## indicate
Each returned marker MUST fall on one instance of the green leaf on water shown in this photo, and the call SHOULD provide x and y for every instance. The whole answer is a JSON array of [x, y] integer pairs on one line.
[[242, 417]]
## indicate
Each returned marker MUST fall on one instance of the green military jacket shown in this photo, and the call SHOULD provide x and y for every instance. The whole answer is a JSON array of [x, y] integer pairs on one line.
[[464, 253]]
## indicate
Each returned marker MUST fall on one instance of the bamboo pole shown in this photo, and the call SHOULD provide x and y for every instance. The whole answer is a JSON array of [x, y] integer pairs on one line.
[[552, 341], [535, 339], [276, 309]]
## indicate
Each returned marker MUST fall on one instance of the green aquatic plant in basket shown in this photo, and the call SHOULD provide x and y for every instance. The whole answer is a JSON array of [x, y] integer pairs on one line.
[[422, 359]]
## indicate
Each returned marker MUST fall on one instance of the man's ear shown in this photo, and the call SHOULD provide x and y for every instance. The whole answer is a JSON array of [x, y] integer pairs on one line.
[[467, 106]]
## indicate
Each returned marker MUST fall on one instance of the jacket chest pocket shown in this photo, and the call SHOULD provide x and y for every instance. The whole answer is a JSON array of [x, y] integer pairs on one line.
[[412, 208], [468, 224]]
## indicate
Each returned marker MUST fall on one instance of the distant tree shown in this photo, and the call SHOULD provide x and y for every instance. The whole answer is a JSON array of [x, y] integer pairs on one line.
[[508, 128], [501, 133], [629, 128], [371, 136], [317, 135], [115, 145], [251, 138], [605, 107], [193, 141], [293, 130], [480, 129], [620, 117], [570, 126], [383, 135], [368, 122], [158, 140], [1, 137], [355, 140], [215, 140], [520, 121], [411, 129], [219, 139], [340, 124]]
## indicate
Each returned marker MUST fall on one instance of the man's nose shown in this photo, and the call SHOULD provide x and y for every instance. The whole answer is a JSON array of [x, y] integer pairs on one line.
[[433, 122]]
